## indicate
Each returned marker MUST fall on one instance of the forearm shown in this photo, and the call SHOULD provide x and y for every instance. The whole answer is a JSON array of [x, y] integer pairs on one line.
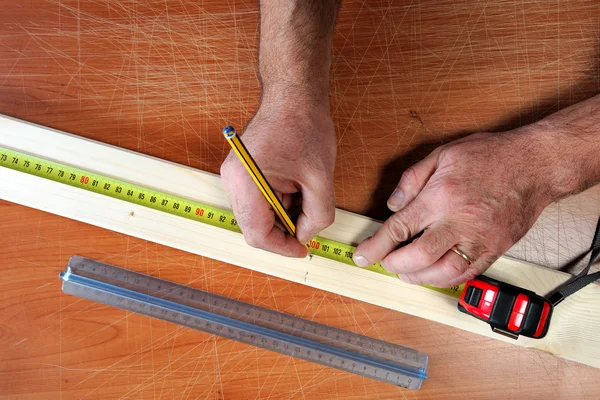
[[570, 141], [295, 49]]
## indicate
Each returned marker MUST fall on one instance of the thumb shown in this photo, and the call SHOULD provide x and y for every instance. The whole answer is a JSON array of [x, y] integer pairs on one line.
[[318, 212], [413, 180]]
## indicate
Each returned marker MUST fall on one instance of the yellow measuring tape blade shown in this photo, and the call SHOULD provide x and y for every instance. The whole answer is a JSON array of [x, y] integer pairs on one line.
[[171, 204]]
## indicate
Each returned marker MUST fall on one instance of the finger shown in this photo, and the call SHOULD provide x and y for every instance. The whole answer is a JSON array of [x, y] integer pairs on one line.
[[413, 180], [423, 251], [260, 226], [318, 212], [278, 241], [478, 268], [398, 228], [255, 216], [446, 272]]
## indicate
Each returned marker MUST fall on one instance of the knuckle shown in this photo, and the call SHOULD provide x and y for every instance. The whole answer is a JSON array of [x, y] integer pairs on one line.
[[321, 219], [254, 239], [321, 224], [409, 179], [398, 228], [325, 219], [390, 265], [454, 153], [454, 268], [425, 255], [448, 186], [436, 244]]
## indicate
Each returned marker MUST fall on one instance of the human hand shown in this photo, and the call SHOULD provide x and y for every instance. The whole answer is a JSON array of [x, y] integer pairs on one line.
[[295, 148], [481, 193]]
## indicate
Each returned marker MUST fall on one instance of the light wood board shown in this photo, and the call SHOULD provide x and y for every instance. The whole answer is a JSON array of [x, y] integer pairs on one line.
[[163, 78], [574, 326]]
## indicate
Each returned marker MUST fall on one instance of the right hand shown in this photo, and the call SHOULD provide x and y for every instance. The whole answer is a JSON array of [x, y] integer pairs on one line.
[[295, 148]]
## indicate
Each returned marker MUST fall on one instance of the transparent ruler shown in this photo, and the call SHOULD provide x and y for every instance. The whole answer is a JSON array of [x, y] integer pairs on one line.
[[244, 322]]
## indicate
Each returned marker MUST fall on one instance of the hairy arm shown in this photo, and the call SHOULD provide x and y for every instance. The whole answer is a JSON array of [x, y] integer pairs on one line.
[[571, 139], [295, 48], [482, 193], [291, 136]]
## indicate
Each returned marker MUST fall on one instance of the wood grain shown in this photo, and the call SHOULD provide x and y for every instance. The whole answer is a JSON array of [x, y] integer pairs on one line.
[[162, 78], [574, 324]]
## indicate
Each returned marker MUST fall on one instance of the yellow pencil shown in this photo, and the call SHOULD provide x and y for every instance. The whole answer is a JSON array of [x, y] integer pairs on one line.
[[260, 180]]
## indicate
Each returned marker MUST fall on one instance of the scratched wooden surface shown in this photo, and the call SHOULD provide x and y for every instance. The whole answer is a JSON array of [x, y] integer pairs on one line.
[[162, 78]]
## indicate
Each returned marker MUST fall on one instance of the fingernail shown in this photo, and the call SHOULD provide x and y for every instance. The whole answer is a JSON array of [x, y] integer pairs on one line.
[[404, 278], [395, 201], [360, 261]]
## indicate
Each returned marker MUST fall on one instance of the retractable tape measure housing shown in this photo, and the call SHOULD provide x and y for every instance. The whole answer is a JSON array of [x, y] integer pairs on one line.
[[512, 311]]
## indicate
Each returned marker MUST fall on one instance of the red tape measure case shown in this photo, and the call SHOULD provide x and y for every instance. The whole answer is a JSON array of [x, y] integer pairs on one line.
[[509, 309]]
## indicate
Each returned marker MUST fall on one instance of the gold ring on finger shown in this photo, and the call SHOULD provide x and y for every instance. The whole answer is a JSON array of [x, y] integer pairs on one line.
[[462, 254]]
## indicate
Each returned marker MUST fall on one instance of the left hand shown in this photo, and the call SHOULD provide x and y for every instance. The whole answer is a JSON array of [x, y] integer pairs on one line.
[[481, 194]]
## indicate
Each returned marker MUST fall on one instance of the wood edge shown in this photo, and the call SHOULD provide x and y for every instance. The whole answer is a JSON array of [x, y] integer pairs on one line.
[[25, 143]]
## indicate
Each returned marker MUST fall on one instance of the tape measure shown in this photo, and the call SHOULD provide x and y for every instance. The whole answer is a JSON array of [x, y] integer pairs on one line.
[[233, 319], [175, 205]]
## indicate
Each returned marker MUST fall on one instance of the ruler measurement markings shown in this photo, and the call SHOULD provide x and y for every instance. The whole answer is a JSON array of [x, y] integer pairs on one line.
[[309, 329], [172, 204], [213, 314]]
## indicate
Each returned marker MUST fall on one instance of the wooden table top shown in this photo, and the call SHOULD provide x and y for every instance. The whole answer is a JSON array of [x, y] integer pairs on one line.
[[162, 78]]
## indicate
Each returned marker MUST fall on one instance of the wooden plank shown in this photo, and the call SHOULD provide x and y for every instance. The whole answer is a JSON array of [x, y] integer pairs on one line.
[[575, 322], [163, 78]]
